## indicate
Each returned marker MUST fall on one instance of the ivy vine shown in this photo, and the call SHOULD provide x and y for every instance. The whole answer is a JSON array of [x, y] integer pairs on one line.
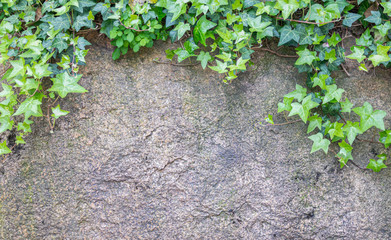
[[40, 42]]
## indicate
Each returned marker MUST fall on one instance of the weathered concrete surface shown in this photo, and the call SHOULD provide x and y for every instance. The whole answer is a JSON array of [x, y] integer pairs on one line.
[[156, 151]]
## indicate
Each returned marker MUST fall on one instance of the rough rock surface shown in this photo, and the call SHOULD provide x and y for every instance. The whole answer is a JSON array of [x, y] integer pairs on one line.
[[156, 151]]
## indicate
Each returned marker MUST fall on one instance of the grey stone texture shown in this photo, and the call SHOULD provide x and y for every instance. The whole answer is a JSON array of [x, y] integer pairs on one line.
[[155, 151]]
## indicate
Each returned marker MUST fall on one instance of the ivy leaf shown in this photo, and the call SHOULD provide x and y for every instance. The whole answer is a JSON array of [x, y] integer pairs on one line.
[[358, 53], [345, 153], [18, 68], [330, 56], [314, 122], [182, 54], [287, 7], [6, 124], [269, 119], [297, 94], [377, 165], [385, 138], [60, 44], [387, 7], [182, 28], [306, 57], [333, 92], [285, 105], [58, 112], [365, 39], [204, 58], [362, 67], [350, 18], [320, 81], [383, 28], [288, 34], [30, 107], [381, 56], [334, 39], [61, 23], [201, 28], [370, 118], [19, 140], [336, 130], [374, 18], [237, 5], [64, 83], [82, 21], [240, 64], [346, 106], [220, 68], [319, 143], [3, 148], [303, 109], [317, 39], [7, 91]]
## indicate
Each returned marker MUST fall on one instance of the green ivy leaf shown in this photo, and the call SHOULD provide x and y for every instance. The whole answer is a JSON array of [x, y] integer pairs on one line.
[[380, 56], [336, 130], [298, 94], [285, 105], [333, 92], [269, 119], [385, 138], [314, 122], [383, 28], [18, 68], [64, 83], [287, 7], [240, 64], [204, 58], [303, 110], [346, 106], [350, 18], [58, 112], [306, 57], [30, 107], [374, 18], [317, 39], [183, 54], [330, 56], [365, 39], [220, 68], [334, 39], [19, 140], [320, 81], [201, 28], [387, 7], [288, 34], [319, 143], [7, 91], [3, 148], [182, 28], [370, 118], [6, 124], [377, 165], [345, 153], [358, 53]]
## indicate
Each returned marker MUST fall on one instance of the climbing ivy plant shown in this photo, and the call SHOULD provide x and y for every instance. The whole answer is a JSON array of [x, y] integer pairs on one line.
[[40, 44]]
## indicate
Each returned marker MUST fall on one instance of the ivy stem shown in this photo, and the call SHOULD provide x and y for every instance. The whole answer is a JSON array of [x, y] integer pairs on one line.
[[343, 119]]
